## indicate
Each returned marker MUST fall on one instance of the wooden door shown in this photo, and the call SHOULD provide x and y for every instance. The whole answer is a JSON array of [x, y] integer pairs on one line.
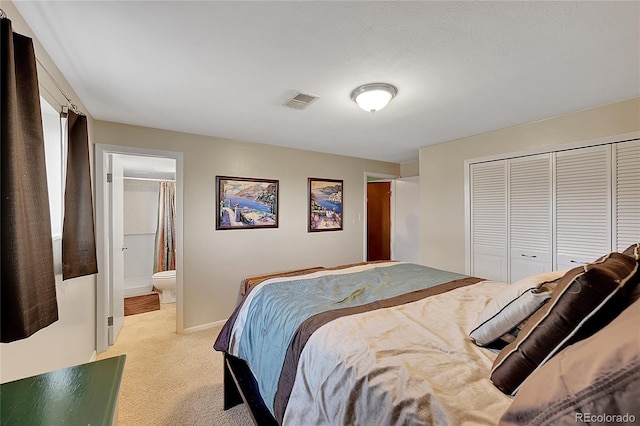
[[379, 221]]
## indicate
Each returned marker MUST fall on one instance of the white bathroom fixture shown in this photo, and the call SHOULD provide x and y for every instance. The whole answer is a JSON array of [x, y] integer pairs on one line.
[[166, 281]]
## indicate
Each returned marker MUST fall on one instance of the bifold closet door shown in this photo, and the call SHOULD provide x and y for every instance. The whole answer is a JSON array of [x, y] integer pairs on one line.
[[489, 220], [530, 212], [583, 205], [627, 194]]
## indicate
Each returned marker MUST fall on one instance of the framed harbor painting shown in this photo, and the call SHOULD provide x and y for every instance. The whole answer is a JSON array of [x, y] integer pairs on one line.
[[246, 203], [325, 205]]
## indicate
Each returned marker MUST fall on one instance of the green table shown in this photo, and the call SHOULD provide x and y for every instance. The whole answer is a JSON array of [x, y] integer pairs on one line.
[[86, 394]]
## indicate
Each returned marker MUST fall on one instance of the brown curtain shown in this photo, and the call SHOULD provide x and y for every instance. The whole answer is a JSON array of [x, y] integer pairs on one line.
[[78, 232], [164, 259], [28, 281]]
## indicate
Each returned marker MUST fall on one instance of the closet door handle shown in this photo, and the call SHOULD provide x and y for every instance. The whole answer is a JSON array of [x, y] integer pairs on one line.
[[578, 262], [532, 256]]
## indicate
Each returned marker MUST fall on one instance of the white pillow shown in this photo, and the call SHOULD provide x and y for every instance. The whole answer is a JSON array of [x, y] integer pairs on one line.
[[511, 306]]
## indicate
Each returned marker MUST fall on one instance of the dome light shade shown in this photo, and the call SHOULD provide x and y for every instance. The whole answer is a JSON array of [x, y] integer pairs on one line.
[[373, 97]]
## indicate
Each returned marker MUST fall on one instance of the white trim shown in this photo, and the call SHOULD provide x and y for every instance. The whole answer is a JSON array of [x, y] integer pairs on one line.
[[392, 218], [556, 148], [610, 199], [507, 197], [204, 326], [467, 219], [100, 154], [554, 212], [102, 294], [148, 179]]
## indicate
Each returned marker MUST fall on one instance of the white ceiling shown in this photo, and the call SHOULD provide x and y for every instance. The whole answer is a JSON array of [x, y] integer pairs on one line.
[[224, 68]]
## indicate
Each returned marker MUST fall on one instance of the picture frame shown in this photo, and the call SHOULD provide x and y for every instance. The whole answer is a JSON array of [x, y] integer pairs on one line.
[[325, 204], [246, 203]]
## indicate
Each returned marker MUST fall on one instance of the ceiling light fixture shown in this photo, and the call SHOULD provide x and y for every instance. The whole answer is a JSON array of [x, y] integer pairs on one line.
[[373, 97]]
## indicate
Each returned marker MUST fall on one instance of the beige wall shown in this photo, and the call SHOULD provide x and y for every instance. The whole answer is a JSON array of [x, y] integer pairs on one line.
[[442, 230], [410, 169], [216, 261], [71, 339]]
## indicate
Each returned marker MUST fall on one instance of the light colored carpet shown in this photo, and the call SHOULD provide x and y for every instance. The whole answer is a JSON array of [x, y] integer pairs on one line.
[[170, 379]]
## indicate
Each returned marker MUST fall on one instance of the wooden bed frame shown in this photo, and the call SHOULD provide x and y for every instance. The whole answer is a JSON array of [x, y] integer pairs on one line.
[[240, 386]]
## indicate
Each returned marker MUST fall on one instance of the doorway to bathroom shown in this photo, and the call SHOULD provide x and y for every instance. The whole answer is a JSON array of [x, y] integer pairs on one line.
[[129, 188]]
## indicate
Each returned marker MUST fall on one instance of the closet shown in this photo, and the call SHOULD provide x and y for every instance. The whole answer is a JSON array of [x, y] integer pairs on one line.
[[530, 214]]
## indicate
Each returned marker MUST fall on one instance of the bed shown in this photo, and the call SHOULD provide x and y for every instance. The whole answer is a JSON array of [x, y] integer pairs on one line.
[[383, 343]]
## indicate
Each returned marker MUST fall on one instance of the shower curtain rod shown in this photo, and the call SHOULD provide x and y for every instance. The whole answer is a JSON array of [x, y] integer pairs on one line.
[[150, 179], [70, 105]]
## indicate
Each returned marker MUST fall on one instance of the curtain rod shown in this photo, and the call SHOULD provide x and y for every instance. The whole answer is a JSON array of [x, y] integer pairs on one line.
[[70, 105], [73, 107]]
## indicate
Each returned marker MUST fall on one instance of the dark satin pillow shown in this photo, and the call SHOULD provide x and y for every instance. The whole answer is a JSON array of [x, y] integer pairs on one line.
[[634, 251], [585, 300], [599, 375]]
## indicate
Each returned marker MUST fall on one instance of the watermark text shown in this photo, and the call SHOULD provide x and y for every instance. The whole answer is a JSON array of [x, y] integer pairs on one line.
[[605, 418]]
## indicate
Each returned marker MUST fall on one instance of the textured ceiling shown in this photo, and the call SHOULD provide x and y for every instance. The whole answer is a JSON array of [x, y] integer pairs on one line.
[[224, 68]]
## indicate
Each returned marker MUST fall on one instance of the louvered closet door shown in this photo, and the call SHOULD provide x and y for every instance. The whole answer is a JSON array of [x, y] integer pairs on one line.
[[530, 216], [489, 220], [627, 194], [583, 207]]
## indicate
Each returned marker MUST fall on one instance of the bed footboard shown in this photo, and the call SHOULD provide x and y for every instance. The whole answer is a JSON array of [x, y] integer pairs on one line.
[[240, 386]]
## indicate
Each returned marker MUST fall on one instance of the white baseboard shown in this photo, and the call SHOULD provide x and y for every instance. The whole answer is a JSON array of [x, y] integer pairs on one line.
[[94, 355], [204, 326]]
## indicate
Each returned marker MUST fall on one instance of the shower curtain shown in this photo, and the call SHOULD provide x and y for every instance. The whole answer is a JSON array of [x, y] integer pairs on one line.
[[164, 259]]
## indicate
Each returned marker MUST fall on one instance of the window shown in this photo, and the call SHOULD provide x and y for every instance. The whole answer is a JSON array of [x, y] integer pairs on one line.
[[53, 155]]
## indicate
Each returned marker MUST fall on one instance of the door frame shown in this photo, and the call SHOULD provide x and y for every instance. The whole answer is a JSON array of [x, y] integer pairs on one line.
[[114, 244], [380, 177], [101, 151]]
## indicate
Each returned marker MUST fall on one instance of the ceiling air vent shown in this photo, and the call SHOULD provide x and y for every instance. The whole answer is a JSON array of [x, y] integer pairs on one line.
[[299, 100]]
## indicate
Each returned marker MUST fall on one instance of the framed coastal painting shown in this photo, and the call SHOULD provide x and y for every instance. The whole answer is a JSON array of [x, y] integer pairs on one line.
[[245, 203], [325, 205]]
